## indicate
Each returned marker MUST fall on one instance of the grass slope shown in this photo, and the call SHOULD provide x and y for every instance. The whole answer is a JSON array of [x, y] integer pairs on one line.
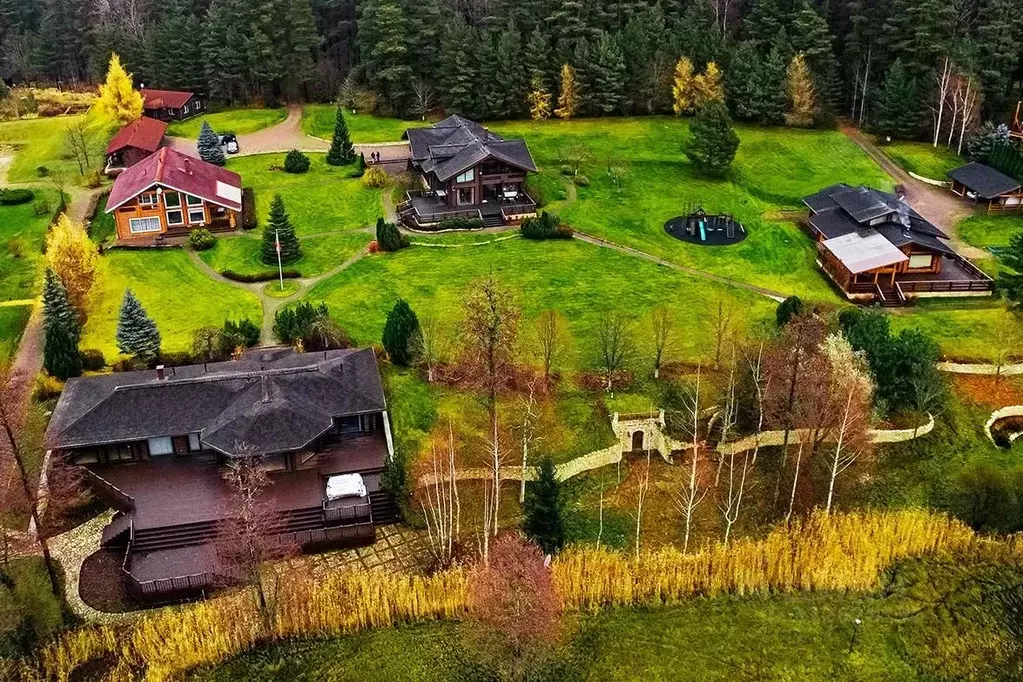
[[40, 142], [176, 294], [985, 229], [923, 159], [322, 200], [965, 329], [237, 121], [318, 121], [13, 319], [773, 169], [22, 235], [319, 254]]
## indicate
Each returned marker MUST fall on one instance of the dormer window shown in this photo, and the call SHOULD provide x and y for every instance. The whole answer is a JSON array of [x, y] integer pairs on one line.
[[148, 199]]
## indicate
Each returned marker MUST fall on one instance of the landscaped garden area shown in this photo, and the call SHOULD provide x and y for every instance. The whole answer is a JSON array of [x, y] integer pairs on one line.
[[40, 144], [237, 121], [242, 254]]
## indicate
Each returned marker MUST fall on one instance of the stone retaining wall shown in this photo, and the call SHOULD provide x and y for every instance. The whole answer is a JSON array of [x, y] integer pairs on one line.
[[1002, 413], [980, 368]]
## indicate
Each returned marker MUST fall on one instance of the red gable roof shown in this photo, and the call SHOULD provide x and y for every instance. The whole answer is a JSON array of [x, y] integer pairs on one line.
[[171, 99], [174, 170], [145, 133]]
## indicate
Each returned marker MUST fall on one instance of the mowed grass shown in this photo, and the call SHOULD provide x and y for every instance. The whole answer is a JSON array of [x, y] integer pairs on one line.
[[176, 294], [966, 330], [318, 121], [773, 169], [40, 142], [237, 121], [577, 279], [22, 235], [322, 200], [986, 229], [923, 159], [319, 254], [803, 637], [13, 319]]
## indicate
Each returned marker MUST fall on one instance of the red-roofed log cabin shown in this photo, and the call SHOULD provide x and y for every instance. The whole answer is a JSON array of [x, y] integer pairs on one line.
[[170, 194], [171, 105], [134, 142]]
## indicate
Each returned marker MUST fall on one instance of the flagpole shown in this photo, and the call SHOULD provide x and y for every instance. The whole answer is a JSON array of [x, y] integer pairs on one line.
[[280, 268]]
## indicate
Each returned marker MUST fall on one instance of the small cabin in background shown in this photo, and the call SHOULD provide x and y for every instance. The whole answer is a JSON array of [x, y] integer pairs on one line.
[[984, 184], [171, 105], [133, 143]]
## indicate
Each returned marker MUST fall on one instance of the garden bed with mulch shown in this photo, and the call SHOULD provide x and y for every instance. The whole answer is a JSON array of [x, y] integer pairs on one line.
[[100, 585]]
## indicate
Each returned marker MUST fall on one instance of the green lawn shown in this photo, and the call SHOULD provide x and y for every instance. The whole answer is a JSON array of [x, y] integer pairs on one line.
[[923, 159], [176, 294], [13, 319], [319, 254], [322, 200], [22, 235], [575, 278], [40, 142], [318, 121], [102, 227], [985, 229], [773, 169], [237, 121], [797, 637], [965, 329]]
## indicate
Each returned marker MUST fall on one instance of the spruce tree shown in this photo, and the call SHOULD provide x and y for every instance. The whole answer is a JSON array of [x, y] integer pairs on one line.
[[544, 509], [897, 109], [61, 330], [279, 229], [515, 79], [537, 60], [341, 150], [401, 334], [210, 150], [389, 237], [771, 88], [714, 142], [743, 83], [137, 334], [608, 88]]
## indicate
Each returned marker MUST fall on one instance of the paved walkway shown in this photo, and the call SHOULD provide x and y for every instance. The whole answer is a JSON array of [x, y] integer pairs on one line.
[[936, 204]]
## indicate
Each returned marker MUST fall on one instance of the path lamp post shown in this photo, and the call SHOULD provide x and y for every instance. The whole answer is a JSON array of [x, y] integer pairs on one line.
[[855, 634]]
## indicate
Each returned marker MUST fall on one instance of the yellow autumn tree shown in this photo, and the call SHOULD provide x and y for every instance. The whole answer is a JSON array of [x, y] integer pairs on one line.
[[709, 86], [118, 99], [72, 256], [539, 100], [683, 101], [568, 98], [801, 93]]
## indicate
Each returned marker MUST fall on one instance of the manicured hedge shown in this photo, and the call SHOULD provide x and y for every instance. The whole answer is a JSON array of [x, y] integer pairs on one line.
[[261, 276], [10, 197], [545, 226], [458, 224]]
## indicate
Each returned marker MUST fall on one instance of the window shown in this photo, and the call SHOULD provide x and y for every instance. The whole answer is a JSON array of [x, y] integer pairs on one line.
[[171, 199], [345, 425], [175, 217], [464, 196], [196, 215], [193, 201], [467, 176], [143, 225], [184, 110], [161, 446], [148, 198], [919, 261], [194, 445]]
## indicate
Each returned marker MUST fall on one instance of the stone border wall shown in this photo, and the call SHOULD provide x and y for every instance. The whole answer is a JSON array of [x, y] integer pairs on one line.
[[980, 368], [1002, 413]]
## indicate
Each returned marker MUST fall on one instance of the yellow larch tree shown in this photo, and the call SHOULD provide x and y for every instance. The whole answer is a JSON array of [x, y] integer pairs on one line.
[[682, 94], [568, 98], [118, 99], [709, 86], [539, 100], [72, 256], [801, 92]]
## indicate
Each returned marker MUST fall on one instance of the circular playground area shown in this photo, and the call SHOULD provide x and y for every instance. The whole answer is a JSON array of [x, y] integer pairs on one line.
[[707, 230]]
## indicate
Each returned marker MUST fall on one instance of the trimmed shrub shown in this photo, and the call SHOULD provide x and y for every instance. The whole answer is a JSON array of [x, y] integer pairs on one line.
[[261, 276], [374, 178], [244, 332], [296, 162], [249, 219], [47, 387], [175, 359], [202, 239], [545, 226], [389, 237], [581, 181], [360, 166], [42, 171], [309, 327], [17, 247], [41, 207], [458, 224], [93, 360], [10, 197]]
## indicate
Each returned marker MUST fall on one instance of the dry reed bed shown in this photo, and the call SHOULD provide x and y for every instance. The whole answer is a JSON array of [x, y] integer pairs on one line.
[[836, 552]]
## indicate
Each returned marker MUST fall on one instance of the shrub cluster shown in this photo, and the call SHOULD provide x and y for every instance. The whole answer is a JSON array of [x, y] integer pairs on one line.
[[211, 344], [296, 162], [261, 276], [309, 327], [458, 224], [202, 239], [249, 219], [10, 197], [374, 178], [47, 387], [93, 360], [545, 226], [389, 237]]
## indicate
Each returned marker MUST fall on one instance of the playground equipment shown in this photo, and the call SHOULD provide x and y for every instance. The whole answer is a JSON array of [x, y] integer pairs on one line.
[[697, 227]]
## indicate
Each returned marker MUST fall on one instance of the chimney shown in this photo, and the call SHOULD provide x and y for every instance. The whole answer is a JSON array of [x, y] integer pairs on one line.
[[266, 388], [160, 376]]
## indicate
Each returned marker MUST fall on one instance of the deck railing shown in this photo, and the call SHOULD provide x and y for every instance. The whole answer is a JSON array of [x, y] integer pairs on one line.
[[946, 286], [110, 494], [358, 513], [322, 535]]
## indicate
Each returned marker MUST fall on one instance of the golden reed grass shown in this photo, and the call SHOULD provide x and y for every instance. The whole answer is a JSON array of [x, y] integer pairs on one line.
[[824, 552]]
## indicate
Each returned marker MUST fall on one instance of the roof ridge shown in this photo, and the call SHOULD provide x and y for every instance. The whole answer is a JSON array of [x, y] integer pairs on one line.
[[214, 376]]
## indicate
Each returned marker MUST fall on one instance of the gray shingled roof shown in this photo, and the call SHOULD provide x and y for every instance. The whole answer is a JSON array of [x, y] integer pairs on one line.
[[985, 181], [456, 144], [268, 401]]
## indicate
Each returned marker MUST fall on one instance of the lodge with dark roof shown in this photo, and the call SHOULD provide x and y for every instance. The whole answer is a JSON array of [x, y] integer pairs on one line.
[[171, 105], [155, 444], [874, 246], [983, 184], [466, 171]]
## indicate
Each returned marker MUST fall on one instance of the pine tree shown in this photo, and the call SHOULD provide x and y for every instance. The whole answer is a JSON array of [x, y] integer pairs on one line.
[[544, 509], [897, 109], [568, 97], [460, 84], [515, 79], [585, 73], [537, 60], [743, 82], [137, 334], [118, 100], [209, 146], [812, 37], [302, 41], [539, 101], [799, 85], [683, 93], [714, 142], [773, 98], [61, 330], [709, 86], [401, 334], [341, 150], [388, 59], [279, 229], [762, 23], [608, 88]]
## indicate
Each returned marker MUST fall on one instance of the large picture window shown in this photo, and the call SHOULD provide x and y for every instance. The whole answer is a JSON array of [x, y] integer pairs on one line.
[[144, 225], [196, 215], [467, 176], [920, 261], [161, 446], [172, 200]]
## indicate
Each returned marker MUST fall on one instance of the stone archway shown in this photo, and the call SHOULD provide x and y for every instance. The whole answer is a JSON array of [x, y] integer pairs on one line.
[[637, 440]]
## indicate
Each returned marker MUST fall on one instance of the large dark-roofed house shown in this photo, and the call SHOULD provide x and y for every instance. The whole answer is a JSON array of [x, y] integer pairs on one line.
[[467, 172], [978, 182], [171, 105], [155, 444], [876, 247]]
